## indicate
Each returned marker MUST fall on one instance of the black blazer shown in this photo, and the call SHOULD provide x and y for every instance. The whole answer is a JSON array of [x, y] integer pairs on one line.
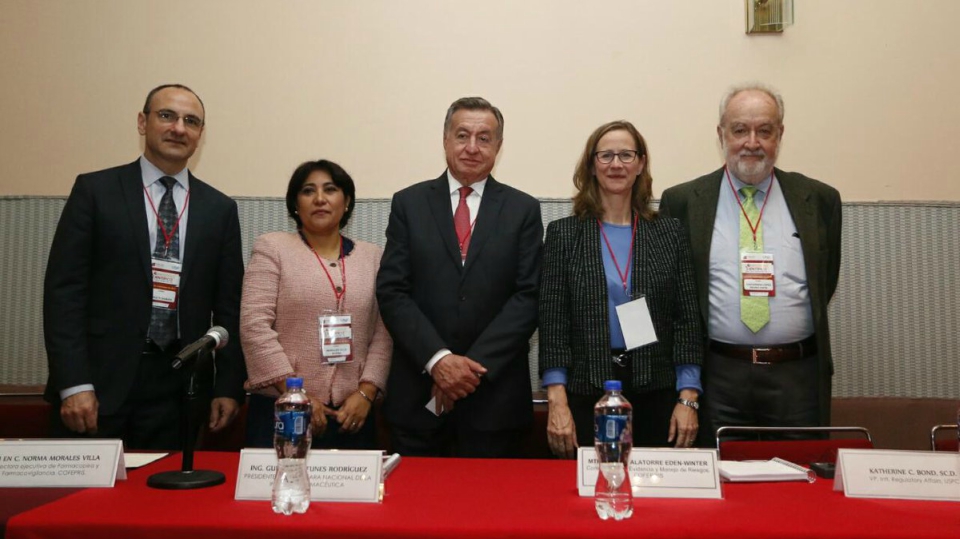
[[97, 292], [574, 317], [816, 211], [485, 309]]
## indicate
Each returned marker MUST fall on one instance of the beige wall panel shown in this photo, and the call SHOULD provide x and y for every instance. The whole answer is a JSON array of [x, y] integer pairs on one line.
[[871, 87]]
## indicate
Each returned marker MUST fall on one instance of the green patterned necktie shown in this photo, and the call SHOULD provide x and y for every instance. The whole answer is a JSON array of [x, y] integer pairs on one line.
[[754, 310]]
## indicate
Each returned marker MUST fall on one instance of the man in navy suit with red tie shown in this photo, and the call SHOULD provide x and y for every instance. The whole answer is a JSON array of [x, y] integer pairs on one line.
[[145, 258], [457, 290]]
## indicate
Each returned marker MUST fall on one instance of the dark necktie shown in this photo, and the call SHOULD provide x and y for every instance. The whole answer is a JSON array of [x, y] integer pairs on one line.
[[163, 322], [461, 221]]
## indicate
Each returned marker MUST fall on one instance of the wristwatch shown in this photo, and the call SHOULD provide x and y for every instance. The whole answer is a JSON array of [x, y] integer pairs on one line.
[[692, 404]]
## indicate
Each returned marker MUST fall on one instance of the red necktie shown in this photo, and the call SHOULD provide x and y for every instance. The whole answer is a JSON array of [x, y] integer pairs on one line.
[[461, 220]]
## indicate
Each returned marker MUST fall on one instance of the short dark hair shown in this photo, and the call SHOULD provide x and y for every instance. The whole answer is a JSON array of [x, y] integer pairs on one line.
[[340, 178], [586, 203], [146, 104], [473, 103]]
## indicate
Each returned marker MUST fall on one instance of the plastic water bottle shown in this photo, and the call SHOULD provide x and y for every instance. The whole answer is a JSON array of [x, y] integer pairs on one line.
[[291, 439], [613, 439]]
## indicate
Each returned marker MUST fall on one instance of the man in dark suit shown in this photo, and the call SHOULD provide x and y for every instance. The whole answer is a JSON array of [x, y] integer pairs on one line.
[[457, 290], [766, 252], [145, 257]]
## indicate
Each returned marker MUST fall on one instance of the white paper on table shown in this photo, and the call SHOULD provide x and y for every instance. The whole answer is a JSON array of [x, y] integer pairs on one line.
[[776, 469], [136, 460]]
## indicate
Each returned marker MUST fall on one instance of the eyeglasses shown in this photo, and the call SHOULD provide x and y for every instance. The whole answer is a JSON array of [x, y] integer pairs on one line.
[[168, 117], [625, 156], [764, 132]]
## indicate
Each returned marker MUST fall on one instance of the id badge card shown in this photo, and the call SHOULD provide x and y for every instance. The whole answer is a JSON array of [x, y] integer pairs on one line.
[[336, 338], [636, 324], [756, 275], [166, 283]]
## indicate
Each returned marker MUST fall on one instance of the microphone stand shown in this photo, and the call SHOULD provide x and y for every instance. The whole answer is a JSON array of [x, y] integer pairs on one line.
[[188, 478]]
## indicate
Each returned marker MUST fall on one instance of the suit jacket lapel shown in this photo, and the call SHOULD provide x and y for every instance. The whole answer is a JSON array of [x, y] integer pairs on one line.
[[131, 185], [802, 210], [439, 203], [702, 212], [195, 221], [589, 247], [486, 221]]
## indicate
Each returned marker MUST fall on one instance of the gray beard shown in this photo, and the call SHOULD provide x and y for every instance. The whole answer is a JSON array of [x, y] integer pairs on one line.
[[752, 173]]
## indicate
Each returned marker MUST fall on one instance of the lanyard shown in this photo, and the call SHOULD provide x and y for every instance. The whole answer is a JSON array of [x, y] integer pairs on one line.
[[338, 293], [626, 272], [167, 236], [753, 228]]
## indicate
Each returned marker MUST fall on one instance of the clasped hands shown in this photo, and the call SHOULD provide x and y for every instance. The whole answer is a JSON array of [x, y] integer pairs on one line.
[[351, 415], [562, 432], [454, 377]]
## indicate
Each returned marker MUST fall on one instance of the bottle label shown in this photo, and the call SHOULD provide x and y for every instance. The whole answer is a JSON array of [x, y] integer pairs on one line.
[[610, 427], [291, 424]]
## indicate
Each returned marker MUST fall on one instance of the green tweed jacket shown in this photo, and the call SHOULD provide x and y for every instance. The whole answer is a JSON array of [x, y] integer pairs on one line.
[[816, 210]]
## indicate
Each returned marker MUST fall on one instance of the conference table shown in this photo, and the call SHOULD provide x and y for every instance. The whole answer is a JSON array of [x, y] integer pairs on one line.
[[475, 498]]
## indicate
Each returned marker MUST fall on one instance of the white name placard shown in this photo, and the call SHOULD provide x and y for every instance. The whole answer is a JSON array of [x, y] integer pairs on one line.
[[658, 473], [61, 463], [335, 476], [909, 475]]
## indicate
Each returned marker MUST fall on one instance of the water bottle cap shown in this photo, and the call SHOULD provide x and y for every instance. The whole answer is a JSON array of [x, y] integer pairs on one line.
[[294, 382], [612, 385]]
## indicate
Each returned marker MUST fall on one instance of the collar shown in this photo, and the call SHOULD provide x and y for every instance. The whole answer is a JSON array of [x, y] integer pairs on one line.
[[762, 187], [150, 174], [348, 244], [453, 185]]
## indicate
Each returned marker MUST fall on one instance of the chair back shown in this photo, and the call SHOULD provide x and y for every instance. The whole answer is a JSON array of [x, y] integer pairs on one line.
[[944, 443], [817, 448]]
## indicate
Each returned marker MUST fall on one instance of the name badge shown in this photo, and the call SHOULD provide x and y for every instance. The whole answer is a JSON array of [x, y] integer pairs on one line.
[[336, 339], [335, 476], [636, 324], [756, 274], [658, 473], [909, 475], [166, 283], [61, 463]]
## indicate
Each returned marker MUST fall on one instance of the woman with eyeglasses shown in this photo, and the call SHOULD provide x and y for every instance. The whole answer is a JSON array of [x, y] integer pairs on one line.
[[611, 264], [309, 309]]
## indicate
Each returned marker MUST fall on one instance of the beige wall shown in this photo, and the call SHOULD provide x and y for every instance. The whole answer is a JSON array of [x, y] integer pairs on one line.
[[871, 87]]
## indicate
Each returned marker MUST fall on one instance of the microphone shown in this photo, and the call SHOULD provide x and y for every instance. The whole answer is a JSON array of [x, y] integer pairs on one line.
[[215, 339]]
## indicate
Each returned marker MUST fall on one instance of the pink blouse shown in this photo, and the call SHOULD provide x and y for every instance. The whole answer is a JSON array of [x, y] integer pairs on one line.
[[284, 293]]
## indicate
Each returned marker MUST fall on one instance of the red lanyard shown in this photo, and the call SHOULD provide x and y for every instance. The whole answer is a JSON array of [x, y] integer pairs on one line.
[[167, 236], [337, 293], [753, 228], [626, 272]]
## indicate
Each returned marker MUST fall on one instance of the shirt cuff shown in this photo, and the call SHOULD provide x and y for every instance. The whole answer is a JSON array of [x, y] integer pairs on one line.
[[554, 376], [70, 391], [435, 359], [688, 377]]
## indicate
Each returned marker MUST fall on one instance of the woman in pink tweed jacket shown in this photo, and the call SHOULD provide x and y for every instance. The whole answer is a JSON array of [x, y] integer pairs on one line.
[[291, 280]]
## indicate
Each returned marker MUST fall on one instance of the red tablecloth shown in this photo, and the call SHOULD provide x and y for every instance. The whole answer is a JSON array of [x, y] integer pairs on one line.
[[457, 498], [18, 500]]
